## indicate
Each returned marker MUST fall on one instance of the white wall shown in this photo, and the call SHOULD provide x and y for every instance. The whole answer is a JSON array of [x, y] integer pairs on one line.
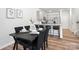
[[7, 25], [41, 14], [74, 19], [52, 16]]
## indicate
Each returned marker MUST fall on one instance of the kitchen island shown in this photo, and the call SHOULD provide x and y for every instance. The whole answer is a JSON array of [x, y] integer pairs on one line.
[[60, 28]]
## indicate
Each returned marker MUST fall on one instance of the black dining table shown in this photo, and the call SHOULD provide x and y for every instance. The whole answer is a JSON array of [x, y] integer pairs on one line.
[[27, 36]]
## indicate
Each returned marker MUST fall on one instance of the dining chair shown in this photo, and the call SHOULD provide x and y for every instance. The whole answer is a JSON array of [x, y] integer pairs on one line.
[[39, 41], [27, 28], [17, 30], [56, 28], [20, 41], [37, 27], [41, 26], [46, 37], [48, 27]]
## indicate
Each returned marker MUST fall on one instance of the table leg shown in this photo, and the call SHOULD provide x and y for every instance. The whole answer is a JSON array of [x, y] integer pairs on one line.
[[24, 47], [14, 46]]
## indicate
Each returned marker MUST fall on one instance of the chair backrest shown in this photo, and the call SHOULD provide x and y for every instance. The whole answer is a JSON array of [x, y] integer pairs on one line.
[[27, 28], [41, 26], [56, 27], [40, 40], [37, 26], [48, 27], [18, 29]]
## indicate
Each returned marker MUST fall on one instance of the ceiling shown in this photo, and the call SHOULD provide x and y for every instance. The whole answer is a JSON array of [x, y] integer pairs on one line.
[[48, 10]]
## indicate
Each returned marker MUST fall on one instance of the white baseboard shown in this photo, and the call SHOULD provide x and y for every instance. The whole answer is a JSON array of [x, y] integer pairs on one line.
[[6, 45]]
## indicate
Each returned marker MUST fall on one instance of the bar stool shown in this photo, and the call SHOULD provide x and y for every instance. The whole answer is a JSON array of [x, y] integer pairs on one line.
[[56, 28]]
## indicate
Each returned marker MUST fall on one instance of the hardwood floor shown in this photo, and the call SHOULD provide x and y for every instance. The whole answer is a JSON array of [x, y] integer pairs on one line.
[[68, 42]]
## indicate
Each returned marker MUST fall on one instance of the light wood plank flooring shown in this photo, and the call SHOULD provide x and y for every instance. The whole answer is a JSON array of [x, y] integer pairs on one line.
[[69, 42]]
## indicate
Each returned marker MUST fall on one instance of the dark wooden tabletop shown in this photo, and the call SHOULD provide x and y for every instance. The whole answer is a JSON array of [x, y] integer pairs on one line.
[[25, 36]]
